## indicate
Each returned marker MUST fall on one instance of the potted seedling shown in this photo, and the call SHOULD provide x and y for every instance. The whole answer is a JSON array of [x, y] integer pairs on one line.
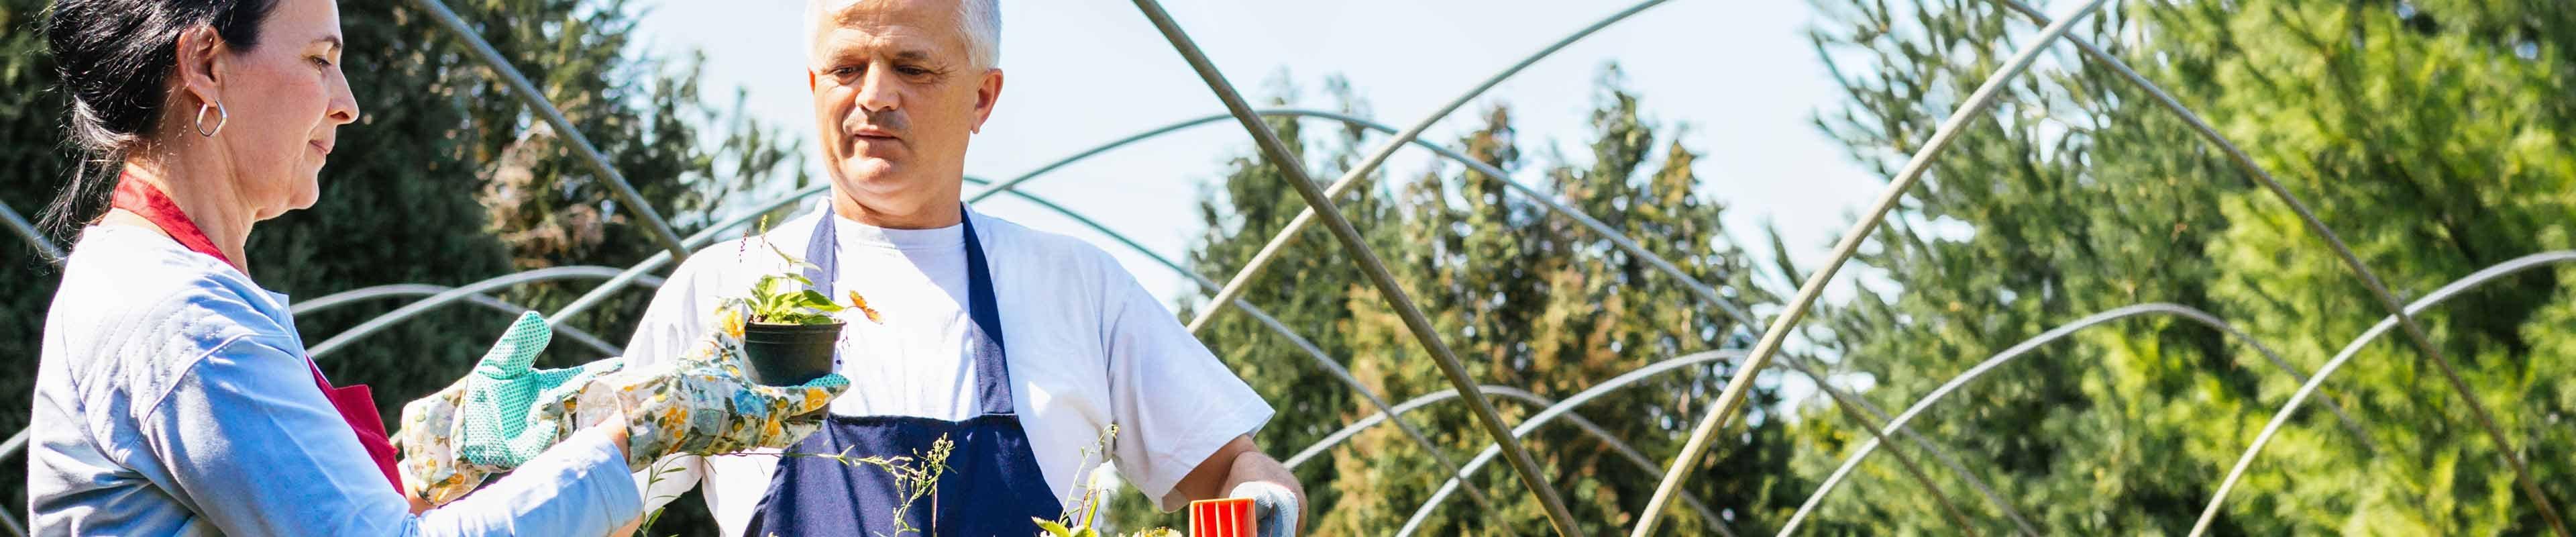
[[788, 328]]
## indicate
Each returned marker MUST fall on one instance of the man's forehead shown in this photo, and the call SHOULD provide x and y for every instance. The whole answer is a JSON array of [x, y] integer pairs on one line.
[[820, 14]]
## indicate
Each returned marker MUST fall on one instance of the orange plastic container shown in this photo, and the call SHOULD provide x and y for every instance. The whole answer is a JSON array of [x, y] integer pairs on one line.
[[1226, 517]]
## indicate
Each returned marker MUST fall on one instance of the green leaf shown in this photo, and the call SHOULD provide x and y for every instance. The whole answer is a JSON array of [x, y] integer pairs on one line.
[[1052, 528], [817, 301]]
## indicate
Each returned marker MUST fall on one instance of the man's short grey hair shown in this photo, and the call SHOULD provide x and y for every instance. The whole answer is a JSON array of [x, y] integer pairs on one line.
[[979, 20]]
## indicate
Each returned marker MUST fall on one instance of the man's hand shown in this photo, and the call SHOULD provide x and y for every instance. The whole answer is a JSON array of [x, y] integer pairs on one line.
[[1274, 507], [1240, 470]]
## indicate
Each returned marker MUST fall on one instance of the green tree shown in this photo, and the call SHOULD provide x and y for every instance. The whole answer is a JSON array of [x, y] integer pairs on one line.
[[1526, 298], [2424, 133]]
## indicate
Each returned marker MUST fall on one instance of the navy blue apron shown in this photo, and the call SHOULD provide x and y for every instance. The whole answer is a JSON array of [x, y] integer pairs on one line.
[[993, 485]]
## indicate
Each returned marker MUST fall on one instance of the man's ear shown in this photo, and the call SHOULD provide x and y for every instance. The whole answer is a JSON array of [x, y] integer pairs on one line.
[[809, 80], [987, 94], [200, 65]]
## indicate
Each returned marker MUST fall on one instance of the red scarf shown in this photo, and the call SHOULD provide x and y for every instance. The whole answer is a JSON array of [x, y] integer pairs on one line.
[[141, 198]]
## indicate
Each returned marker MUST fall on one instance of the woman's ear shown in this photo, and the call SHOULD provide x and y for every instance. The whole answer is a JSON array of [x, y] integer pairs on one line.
[[201, 66]]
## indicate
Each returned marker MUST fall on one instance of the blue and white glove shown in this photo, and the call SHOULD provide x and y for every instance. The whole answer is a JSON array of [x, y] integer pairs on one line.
[[1274, 507], [498, 428]]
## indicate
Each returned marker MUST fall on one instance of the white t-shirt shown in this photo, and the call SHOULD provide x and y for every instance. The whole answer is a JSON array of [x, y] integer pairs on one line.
[[1087, 347]]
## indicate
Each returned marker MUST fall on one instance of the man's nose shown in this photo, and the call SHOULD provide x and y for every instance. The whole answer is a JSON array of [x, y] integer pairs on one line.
[[878, 90]]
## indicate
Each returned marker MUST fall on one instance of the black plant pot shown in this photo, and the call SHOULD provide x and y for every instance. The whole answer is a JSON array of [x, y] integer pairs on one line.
[[789, 354]]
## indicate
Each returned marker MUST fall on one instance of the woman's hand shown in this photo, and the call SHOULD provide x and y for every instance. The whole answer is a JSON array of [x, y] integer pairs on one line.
[[493, 420], [615, 428]]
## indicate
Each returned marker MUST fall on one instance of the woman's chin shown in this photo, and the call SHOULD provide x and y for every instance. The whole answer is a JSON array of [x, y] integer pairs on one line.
[[305, 195]]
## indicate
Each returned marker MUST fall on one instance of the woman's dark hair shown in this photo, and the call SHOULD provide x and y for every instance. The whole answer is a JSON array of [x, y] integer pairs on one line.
[[114, 57]]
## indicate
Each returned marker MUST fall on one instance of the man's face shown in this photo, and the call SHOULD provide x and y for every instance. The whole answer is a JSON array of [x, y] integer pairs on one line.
[[896, 96]]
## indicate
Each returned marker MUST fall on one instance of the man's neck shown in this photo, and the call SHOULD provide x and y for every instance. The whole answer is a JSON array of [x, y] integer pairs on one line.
[[925, 215]]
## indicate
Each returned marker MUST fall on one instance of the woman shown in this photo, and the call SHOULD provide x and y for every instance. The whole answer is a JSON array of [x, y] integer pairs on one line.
[[173, 397]]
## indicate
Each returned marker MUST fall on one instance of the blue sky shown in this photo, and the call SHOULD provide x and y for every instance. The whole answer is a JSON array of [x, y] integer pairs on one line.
[[1740, 75]]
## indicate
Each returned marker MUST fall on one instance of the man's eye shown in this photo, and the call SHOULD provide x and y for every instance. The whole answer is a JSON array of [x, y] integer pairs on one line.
[[844, 71], [913, 71]]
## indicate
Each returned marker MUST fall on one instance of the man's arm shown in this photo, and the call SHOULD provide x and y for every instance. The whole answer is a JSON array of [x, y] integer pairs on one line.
[[1239, 462]]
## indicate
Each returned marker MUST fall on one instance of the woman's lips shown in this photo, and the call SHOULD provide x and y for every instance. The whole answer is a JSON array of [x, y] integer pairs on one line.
[[319, 146]]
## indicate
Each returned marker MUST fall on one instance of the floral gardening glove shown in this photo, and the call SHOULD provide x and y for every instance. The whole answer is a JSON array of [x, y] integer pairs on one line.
[[487, 423], [702, 404], [698, 404]]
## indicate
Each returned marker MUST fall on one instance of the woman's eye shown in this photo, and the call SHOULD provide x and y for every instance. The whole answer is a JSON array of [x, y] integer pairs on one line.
[[319, 61]]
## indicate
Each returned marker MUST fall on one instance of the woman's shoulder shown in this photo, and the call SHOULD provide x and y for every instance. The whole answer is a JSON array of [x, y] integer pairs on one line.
[[130, 303]]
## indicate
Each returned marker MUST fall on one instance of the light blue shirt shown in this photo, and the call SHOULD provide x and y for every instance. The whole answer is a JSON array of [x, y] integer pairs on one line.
[[173, 398]]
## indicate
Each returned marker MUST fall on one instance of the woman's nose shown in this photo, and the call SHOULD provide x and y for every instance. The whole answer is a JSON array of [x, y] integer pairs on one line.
[[344, 103]]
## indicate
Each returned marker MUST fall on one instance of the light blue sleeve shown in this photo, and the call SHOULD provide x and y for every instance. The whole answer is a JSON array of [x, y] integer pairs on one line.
[[250, 444]]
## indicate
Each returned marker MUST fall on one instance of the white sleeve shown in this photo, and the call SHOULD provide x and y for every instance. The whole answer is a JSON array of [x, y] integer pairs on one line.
[[1174, 402], [672, 322]]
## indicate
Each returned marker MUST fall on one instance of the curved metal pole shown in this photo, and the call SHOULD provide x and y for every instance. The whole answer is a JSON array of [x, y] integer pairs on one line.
[[1242, 278], [1914, 470], [2517, 265], [53, 253], [422, 289], [1621, 447], [10, 521], [11, 447], [1561, 408], [2378, 289], [1357, 247], [1321, 359], [16, 442], [387, 320], [1361, 425], [649, 264], [545, 110], [1731, 399], [2009, 354]]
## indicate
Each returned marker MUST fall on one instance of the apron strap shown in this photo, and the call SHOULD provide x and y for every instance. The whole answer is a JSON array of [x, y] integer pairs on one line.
[[823, 252], [992, 371]]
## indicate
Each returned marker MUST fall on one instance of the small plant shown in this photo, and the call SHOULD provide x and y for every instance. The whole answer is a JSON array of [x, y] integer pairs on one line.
[[644, 528], [1081, 518], [788, 329], [790, 298], [915, 477]]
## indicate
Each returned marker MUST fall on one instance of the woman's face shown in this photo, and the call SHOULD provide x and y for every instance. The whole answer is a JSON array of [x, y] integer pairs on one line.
[[287, 98]]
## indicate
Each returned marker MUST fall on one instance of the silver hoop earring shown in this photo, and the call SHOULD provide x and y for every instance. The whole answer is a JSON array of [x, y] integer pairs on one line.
[[221, 117]]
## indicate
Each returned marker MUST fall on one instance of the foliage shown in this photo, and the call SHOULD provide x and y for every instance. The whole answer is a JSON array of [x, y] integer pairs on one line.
[[2428, 134], [1526, 298], [790, 298]]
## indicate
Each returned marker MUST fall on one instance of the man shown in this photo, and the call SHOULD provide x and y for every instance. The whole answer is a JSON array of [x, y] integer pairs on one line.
[[1021, 347]]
